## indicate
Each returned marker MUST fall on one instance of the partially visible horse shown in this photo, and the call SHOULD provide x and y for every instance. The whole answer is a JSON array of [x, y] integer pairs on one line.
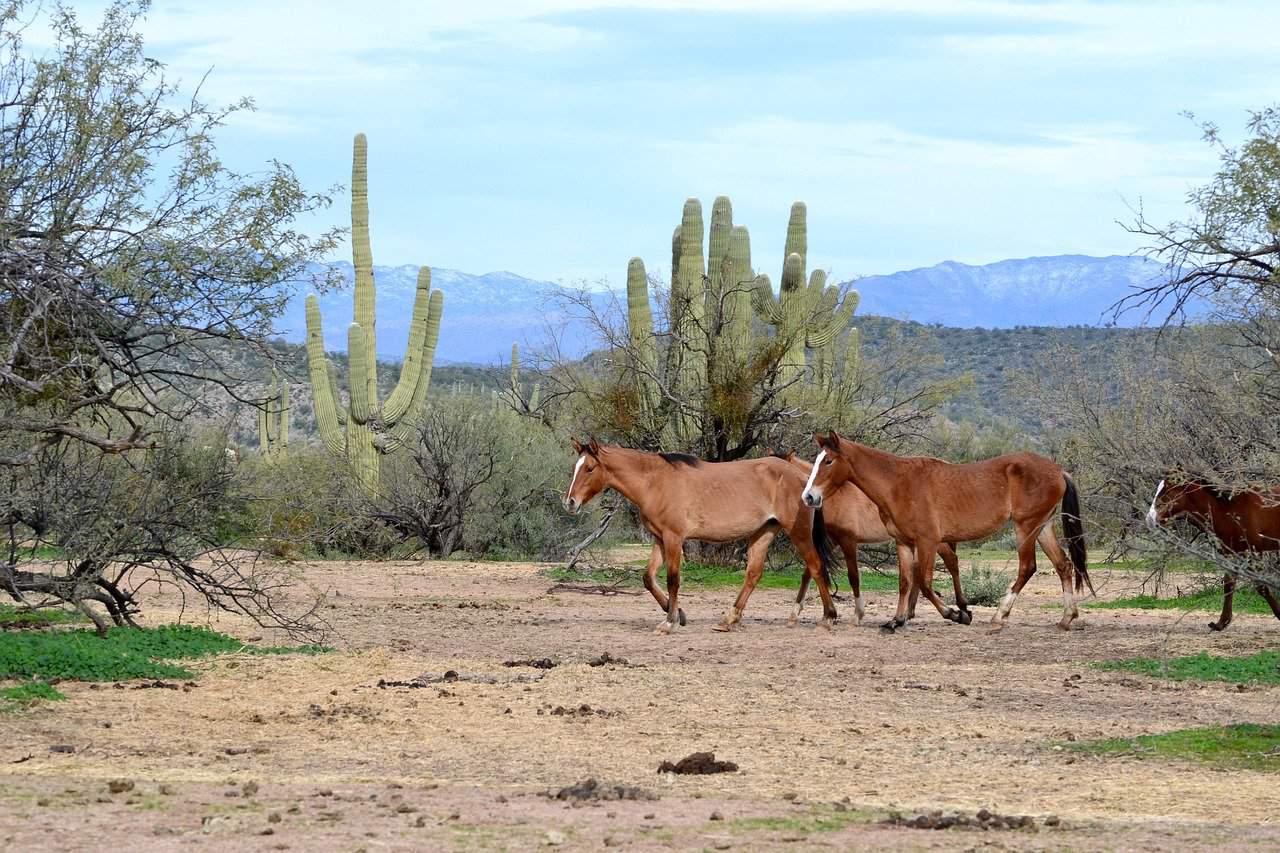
[[853, 519], [926, 502], [1244, 523], [682, 497]]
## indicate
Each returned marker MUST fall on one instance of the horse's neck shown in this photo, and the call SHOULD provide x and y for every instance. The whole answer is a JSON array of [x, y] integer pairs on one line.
[[874, 471], [630, 474]]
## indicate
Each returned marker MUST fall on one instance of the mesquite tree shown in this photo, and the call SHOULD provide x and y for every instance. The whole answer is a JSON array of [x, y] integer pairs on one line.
[[131, 257]]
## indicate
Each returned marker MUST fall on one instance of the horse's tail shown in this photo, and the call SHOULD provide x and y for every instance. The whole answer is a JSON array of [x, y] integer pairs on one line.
[[1073, 531], [822, 544]]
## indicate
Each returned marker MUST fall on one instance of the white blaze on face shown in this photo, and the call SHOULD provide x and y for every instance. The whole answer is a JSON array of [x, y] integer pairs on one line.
[[1152, 520], [813, 475], [576, 470]]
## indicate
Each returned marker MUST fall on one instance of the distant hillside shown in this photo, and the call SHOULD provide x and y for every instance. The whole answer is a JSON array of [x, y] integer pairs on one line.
[[485, 313], [1063, 290]]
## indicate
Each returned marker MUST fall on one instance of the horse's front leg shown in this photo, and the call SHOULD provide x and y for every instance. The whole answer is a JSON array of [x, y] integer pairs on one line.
[[906, 571], [1228, 596], [925, 554], [673, 549], [651, 575]]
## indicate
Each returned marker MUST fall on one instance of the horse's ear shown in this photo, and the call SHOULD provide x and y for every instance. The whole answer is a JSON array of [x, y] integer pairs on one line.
[[577, 446], [820, 439], [594, 447], [833, 441]]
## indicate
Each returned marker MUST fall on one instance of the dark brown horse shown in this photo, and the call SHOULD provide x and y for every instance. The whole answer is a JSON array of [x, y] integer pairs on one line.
[[1244, 523], [925, 502], [681, 497], [852, 519]]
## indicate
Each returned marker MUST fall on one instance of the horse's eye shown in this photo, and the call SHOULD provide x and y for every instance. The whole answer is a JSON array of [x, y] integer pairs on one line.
[[590, 468], [829, 462]]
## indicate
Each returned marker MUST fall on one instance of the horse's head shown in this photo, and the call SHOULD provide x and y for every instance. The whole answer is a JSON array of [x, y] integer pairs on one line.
[[831, 469], [588, 476], [1173, 498]]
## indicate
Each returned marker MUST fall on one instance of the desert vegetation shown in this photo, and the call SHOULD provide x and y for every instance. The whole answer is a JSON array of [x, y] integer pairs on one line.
[[349, 585]]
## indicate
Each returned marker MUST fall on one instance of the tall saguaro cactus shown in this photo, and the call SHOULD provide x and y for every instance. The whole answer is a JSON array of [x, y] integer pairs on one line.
[[805, 316], [273, 421], [364, 429]]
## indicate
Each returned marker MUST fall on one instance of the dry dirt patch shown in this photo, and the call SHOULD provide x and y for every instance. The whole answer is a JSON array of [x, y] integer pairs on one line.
[[830, 731]]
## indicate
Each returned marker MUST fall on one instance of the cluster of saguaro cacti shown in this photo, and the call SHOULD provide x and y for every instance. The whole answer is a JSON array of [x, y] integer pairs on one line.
[[364, 430], [808, 316], [273, 420]]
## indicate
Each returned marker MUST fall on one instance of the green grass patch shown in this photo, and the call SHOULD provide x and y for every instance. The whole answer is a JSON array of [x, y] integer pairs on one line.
[[1260, 668], [125, 653], [695, 574], [801, 824], [1246, 746], [21, 617], [22, 696], [1246, 601]]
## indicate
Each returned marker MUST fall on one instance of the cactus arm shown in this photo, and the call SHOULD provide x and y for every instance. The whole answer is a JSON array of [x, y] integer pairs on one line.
[[362, 257], [639, 315], [326, 398], [357, 356], [721, 235], [332, 372], [411, 371], [407, 427], [284, 418], [764, 302], [819, 335]]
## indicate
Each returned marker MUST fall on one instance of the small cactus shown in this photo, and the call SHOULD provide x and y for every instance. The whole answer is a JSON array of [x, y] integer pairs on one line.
[[273, 421]]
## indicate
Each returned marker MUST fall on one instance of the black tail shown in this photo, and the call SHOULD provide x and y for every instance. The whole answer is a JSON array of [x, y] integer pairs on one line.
[[1073, 531], [822, 543]]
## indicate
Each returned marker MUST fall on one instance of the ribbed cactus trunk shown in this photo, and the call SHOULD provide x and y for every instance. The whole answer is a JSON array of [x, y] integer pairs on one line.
[[273, 421], [640, 340], [364, 430], [738, 300]]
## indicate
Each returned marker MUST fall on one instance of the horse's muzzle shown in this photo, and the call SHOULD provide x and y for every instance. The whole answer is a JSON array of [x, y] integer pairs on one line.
[[812, 499], [1153, 521], [571, 505]]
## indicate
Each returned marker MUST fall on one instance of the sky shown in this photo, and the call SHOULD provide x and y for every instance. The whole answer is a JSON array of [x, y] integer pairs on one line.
[[558, 138]]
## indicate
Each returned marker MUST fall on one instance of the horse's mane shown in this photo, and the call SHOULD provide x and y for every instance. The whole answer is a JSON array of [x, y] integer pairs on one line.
[[681, 459]]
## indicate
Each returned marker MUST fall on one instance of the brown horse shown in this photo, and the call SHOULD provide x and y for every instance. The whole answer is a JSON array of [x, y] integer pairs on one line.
[[852, 519], [925, 502], [681, 497], [1244, 523]]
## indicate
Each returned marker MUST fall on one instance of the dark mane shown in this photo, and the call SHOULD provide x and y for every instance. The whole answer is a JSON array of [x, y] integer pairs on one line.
[[681, 459]]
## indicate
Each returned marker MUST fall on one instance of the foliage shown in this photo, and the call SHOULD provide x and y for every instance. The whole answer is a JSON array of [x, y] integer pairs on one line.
[[119, 522], [14, 617], [128, 251], [1246, 746], [983, 585], [1245, 601], [22, 696], [125, 653], [1259, 668]]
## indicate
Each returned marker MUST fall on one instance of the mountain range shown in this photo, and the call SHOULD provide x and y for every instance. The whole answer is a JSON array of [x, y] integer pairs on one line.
[[484, 314]]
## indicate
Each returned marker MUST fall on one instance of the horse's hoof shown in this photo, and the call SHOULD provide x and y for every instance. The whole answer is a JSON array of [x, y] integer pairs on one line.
[[683, 621], [722, 627], [827, 624], [792, 621], [1214, 626], [951, 615], [996, 628], [965, 617], [1064, 626], [889, 627], [664, 627]]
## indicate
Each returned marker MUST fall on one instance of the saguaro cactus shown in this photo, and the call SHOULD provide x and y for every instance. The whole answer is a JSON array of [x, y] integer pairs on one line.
[[365, 430], [273, 421], [810, 315]]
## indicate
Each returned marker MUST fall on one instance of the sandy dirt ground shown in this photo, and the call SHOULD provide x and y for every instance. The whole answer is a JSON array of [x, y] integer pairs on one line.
[[832, 731]]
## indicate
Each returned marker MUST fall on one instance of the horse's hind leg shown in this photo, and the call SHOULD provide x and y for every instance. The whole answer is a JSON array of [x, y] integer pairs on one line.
[[1269, 597], [849, 546], [674, 552], [757, 549], [1228, 595], [1027, 535], [802, 538], [914, 595], [1054, 552], [947, 550]]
